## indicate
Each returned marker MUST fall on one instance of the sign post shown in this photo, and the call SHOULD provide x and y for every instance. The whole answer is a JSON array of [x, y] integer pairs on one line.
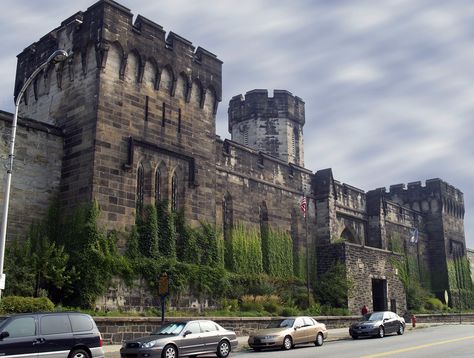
[[163, 291]]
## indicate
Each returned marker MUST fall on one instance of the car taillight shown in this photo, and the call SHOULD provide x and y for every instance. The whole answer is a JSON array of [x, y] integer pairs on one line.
[[100, 340]]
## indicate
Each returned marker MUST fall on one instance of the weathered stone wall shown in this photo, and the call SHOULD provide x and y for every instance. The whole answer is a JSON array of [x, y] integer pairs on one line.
[[36, 171], [115, 330], [470, 256], [351, 215], [66, 95], [127, 80], [254, 182], [163, 93], [437, 209], [273, 125], [367, 263]]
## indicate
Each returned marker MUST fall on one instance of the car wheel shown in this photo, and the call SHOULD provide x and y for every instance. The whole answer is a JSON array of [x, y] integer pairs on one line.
[[287, 343], [381, 332], [169, 352], [319, 340], [401, 329], [79, 353], [223, 349]]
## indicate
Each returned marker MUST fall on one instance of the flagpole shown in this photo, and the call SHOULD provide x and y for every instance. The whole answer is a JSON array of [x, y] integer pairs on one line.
[[307, 254]]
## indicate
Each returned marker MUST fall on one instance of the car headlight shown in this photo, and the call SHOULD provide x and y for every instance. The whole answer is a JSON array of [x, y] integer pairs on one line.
[[150, 344]]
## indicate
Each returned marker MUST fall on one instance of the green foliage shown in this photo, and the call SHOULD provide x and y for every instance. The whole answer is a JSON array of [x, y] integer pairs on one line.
[[277, 251], [244, 252], [133, 250], [395, 244], [16, 304], [207, 243], [299, 263], [187, 247], [93, 259], [334, 311], [434, 304], [408, 272], [37, 265], [333, 287], [147, 226], [21, 277], [289, 311], [167, 230]]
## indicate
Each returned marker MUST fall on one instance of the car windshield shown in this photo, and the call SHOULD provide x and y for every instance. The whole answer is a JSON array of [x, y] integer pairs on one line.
[[281, 323], [376, 316], [170, 329]]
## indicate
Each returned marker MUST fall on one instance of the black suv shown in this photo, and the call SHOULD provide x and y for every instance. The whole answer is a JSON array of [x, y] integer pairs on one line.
[[50, 335]]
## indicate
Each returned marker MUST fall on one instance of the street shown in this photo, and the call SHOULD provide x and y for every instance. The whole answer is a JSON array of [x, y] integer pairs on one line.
[[433, 342], [440, 341]]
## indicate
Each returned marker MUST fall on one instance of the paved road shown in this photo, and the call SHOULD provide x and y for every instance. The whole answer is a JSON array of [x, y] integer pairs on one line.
[[446, 341], [442, 341]]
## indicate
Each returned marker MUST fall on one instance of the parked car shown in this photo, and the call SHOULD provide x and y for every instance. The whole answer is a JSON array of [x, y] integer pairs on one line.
[[178, 339], [288, 332], [378, 324], [50, 335]]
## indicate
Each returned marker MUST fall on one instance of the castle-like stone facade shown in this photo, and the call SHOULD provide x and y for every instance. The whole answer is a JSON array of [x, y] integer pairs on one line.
[[130, 119]]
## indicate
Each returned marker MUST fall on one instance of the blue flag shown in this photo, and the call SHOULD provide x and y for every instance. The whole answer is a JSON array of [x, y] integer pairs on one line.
[[414, 236]]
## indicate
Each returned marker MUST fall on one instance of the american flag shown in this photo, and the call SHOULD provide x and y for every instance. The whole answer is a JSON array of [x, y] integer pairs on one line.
[[303, 206]]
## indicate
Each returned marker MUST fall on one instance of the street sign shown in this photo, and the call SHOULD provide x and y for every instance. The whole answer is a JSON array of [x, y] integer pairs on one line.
[[163, 284], [446, 297]]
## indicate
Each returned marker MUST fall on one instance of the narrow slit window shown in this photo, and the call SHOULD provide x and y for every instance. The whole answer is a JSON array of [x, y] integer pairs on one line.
[[146, 108], [179, 120], [163, 114]]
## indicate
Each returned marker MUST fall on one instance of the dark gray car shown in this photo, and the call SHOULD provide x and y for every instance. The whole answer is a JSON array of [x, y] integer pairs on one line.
[[188, 338], [378, 324]]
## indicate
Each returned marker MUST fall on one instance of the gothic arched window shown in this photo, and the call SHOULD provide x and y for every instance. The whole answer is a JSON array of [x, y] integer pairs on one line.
[[174, 192], [157, 186], [140, 187]]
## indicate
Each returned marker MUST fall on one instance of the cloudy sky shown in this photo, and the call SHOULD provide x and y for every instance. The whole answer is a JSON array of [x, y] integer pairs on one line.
[[388, 85]]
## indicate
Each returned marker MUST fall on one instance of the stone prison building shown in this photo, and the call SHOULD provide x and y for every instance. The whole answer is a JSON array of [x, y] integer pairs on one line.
[[130, 118]]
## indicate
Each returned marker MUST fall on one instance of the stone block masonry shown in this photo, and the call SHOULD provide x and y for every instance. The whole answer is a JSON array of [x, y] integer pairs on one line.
[[36, 171]]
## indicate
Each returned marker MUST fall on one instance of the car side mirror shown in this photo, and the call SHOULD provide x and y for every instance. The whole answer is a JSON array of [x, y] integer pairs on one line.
[[186, 333], [385, 319], [4, 334], [297, 327]]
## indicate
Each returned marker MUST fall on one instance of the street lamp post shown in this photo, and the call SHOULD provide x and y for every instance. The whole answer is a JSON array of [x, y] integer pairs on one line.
[[56, 56]]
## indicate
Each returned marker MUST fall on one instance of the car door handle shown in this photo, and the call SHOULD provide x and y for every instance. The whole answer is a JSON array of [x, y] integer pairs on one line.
[[39, 341]]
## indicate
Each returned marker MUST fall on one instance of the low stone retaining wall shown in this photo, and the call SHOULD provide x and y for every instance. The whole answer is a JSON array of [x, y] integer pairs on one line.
[[444, 318], [114, 330]]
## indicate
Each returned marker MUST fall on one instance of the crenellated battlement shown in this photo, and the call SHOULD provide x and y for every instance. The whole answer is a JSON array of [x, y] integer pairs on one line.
[[107, 26], [258, 103], [431, 186]]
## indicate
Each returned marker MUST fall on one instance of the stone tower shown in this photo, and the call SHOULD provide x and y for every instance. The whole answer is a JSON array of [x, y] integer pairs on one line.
[[273, 125], [137, 108]]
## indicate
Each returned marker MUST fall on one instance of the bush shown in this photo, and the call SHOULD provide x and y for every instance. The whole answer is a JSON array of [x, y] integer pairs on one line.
[[314, 310], [334, 311], [289, 311], [433, 304], [229, 304], [17, 304]]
